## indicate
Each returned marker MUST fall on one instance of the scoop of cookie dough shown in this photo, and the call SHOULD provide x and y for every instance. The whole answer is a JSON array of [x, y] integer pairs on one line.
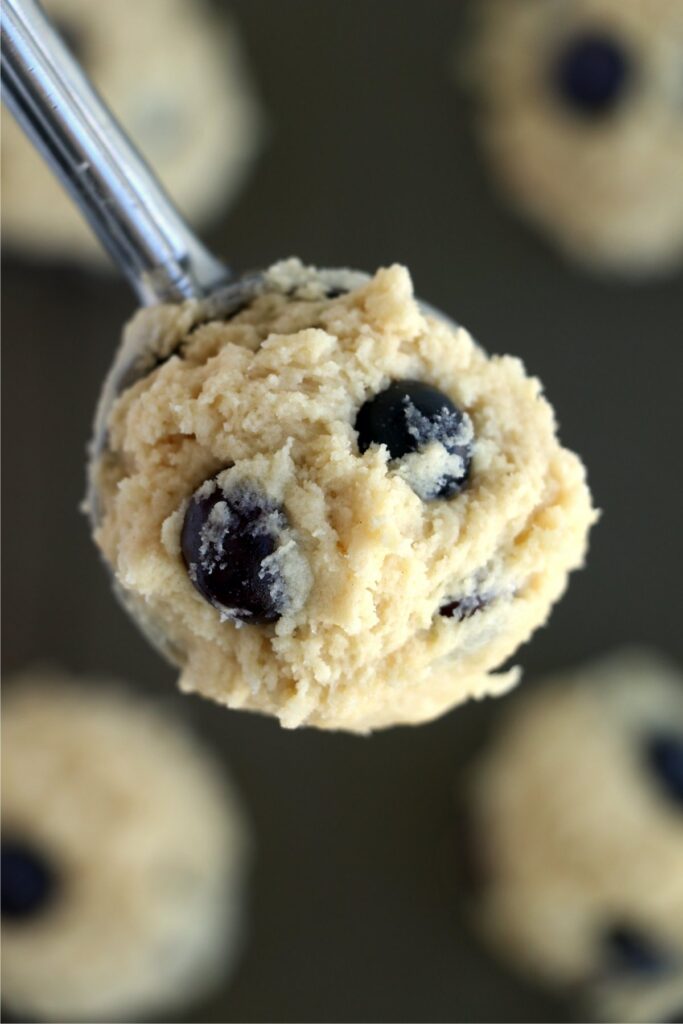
[[174, 75], [334, 506], [123, 853], [579, 111], [577, 823]]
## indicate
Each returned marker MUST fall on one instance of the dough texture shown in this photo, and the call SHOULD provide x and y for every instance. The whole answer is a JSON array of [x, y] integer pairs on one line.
[[581, 837], [174, 75], [268, 399], [147, 842], [608, 188]]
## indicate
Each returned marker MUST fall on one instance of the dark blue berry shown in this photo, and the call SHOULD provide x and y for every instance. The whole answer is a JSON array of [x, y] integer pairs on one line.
[[631, 952], [664, 754], [225, 541], [591, 73], [409, 415], [464, 608], [28, 882]]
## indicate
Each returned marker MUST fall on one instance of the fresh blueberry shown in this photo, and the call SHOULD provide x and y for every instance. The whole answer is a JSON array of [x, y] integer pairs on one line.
[[464, 608], [664, 754], [409, 415], [631, 952], [591, 73], [28, 882], [226, 541]]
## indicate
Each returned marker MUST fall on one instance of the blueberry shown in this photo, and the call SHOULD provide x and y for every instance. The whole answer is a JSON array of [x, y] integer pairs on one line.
[[334, 292], [664, 754], [409, 415], [28, 881], [631, 952], [464, 608], [226, 541], [591, 73]]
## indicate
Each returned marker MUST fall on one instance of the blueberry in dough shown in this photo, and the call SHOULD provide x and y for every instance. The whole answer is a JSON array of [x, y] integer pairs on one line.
[[28, 881], [591, 74], [227, 542], [665, 758], [578, 108], [464, 608], [580, 818], [408, 416], [629, 950], [123, 855]]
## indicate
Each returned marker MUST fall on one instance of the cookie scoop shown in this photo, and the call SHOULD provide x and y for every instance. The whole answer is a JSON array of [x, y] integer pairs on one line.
[[317, 494]]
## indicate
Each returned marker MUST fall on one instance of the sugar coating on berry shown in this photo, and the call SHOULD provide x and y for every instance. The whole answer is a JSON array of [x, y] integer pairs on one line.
[[428, 439], [464, 607], [240, 553]]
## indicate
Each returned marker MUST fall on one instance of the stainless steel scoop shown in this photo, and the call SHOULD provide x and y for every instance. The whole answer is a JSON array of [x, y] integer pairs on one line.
[[127, 208], [124, 203]]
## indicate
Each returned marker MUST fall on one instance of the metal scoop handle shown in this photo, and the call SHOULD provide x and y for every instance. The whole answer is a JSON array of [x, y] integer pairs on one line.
[[127, 208]]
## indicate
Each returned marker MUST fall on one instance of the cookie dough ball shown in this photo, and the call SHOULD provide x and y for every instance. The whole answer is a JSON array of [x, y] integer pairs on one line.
[[577, 815], [334, 504], [174, 75], [123, 851], [581, 116]]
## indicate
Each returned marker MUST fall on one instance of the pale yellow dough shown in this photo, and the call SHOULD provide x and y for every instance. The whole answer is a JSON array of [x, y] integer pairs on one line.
[[609, 190], [577, 835], [174, 75], [275, 391], [147, 839]]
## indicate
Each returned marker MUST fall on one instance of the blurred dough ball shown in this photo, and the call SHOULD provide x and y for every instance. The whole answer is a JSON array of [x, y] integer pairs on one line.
[[581, 115], [123, 853], [576, 818], [174, 75]]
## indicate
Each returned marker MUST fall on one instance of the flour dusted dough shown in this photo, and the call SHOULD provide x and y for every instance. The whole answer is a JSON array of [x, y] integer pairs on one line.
[[174, 76], [273, 393], [146, 839], [609, 188], [578, 835]]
